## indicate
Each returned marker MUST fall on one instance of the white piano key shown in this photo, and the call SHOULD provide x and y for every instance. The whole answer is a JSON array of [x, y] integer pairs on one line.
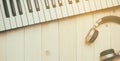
[[119, 2], [103, 4], [24, 15], [81, 7], [64, 9], [18, 18], [86, 5], [46, 11], [75, 8], [98, 4], [52, 10], [69, 8], [12, 18], [35, 13], [58, 10], [2, 28], [109, 3], [6, 20], [41, 12], [115, 3], [29, 14], [92, 5]]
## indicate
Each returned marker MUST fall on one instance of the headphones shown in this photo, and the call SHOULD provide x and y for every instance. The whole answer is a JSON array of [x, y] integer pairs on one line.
[[93, 32], [107, 55]]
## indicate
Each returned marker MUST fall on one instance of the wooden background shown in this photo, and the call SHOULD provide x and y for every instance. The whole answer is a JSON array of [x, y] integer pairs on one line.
[[60, 40]]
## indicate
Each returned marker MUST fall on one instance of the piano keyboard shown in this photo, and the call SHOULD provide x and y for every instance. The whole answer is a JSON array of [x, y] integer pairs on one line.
[[20, 13]]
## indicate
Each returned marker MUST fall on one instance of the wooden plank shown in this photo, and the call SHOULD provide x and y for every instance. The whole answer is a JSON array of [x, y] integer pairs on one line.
[[115, 32], [33, 43], [79, 37], [67, 39], [2, 46], [50, 41], [115, 39], [103, 40], [84, 52], [15, 45]]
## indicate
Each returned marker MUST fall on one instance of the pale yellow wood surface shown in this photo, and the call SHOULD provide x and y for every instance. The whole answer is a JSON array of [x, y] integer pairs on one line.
[[68, 39], [32, 43], [60, 40], [14, 47], [103, 40], [115, 32], [85, 52], [3, 46], [50, 42]]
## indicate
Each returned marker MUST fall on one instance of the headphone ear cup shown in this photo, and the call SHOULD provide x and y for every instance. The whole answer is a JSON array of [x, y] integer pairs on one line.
[[107, 55], [91, 36]]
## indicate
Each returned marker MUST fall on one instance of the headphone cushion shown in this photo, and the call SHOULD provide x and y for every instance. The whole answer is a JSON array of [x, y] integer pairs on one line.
[[95, 34], [92, 35], [107, 55], [109, 51]]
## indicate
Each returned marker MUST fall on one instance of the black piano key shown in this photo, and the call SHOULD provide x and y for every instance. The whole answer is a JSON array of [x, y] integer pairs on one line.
[[70, 1], [19, 7], [37, 5], [77, 1], [6, 8], [29, 6], [47, 4], [12, 7], [60, 2], [53, 3]]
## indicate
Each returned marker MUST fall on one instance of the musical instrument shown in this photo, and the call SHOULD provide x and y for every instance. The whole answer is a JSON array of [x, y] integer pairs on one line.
[[20, 13]]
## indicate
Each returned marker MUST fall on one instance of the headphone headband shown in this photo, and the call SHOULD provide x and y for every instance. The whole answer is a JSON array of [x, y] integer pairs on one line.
[[93, 33]]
